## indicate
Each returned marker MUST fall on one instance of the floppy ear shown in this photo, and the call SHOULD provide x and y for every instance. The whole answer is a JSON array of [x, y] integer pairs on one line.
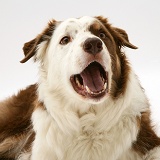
[[122, 38], [30, 47], [119, 35]]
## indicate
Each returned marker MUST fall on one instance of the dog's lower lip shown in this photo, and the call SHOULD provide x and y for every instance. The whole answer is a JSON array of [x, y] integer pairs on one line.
[[92, 82]]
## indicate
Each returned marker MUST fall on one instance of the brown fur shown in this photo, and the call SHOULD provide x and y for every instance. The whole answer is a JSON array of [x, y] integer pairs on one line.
[[30, 47], [15, 122], [116, 39], [147, 139]]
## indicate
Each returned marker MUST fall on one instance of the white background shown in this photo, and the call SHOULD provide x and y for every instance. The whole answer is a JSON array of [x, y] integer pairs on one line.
[[22, 20]]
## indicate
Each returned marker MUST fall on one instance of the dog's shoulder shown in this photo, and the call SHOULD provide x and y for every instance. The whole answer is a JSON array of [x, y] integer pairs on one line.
[[18, 106], [15, 120]]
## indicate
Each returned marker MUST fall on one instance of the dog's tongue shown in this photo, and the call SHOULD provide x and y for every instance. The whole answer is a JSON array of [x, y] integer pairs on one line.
[[92, 78]]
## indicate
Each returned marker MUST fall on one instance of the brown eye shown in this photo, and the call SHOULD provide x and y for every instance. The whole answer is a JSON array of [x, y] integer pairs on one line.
[[65, 40], [102, 35]]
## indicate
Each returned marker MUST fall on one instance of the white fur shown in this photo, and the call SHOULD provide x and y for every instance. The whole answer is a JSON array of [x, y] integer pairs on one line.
[[106, 130], [74, 128], [154, 154]]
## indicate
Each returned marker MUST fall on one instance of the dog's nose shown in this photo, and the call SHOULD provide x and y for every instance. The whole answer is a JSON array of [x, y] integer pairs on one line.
[[92, 45]]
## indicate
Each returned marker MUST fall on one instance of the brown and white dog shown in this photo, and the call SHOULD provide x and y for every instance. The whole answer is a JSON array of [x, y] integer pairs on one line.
[[87, 105]]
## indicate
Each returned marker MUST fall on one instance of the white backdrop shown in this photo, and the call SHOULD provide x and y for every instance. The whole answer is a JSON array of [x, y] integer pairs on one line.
[[20, 21]]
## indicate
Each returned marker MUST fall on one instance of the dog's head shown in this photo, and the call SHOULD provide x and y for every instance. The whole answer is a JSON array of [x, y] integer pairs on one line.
[[82, 58]]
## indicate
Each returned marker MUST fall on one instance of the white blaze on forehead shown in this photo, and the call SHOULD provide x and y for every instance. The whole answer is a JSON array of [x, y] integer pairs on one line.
[[76, 24], [86, 21]]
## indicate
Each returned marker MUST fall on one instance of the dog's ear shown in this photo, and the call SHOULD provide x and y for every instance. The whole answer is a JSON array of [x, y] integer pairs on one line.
[[121, 38], [119, 35], [30, 48]]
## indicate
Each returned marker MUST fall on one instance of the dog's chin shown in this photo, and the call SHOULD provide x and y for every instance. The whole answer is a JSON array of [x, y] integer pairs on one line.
[[92, 83]]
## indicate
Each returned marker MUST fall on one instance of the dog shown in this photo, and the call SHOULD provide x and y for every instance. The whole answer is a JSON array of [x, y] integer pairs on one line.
[[88, 103]]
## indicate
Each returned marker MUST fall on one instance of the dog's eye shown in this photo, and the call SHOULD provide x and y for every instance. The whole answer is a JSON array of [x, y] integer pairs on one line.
[[65, 40], [102, 35]]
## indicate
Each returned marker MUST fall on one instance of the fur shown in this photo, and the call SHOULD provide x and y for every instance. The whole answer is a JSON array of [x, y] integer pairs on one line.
[[53, 120]]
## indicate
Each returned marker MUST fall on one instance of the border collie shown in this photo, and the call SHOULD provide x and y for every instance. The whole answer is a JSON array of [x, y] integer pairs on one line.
[[88, 103]]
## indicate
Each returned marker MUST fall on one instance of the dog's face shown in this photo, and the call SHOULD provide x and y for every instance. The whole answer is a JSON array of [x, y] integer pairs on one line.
[[82, 60], [82, 57]]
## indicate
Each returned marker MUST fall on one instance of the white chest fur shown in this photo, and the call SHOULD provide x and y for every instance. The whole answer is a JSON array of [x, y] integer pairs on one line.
[[89, 137]]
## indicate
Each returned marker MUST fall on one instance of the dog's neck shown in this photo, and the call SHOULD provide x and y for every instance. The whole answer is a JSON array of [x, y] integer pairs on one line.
[[111, 109]]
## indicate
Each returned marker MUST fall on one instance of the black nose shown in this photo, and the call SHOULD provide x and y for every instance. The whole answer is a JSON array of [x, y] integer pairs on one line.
[[92, 45]]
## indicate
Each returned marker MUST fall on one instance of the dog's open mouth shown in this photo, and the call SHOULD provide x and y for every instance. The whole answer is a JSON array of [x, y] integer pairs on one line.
[[92, 82]]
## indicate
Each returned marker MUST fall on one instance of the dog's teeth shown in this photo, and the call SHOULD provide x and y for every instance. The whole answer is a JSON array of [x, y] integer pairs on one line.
[[88, 90], [103, 79], [77, 81], [96, 93], [105, 86]]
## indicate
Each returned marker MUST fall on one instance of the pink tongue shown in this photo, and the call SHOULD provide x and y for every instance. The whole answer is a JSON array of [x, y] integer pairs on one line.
[[92, 78]]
